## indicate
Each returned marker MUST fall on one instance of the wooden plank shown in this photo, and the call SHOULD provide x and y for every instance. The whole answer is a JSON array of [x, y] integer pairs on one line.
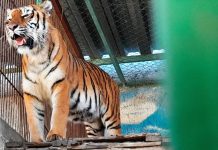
[[135, 145], [132, 138], [132, 141], [138, 23], [92, 51], [76, 49], [153, 137], [116, 35], [99, 11]]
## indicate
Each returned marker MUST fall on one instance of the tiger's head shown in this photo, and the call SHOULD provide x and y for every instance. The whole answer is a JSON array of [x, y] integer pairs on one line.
[[27, 27]]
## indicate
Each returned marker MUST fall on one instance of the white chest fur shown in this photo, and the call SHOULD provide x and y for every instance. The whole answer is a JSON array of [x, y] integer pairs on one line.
[[37, 80]]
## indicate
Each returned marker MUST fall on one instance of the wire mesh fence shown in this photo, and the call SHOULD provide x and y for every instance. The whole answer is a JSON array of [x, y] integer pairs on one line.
[[139, 73], [128, 27]]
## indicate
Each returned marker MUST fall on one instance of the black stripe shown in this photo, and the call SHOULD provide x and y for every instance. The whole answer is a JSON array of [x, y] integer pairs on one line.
[[45, 67], [43, 21], [76, 103], [84, 80], [108, 118], [106, 109], [38, 109], [81, 62], [43, 62], [37, 20], [76, 63], [93, 129], [25, 75], [50, 52], [84, 86], [76, 119], [33, 96], [90, 105], [112, 123], [73, 91], [93, 86], [56, 82], [25, 15], [21, 30], [91, 134], [54, 68], [32, 14], [41, 114], [116, 127], [40, 119]]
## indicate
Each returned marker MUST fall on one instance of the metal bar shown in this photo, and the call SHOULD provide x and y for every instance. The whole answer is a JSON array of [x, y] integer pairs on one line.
[[108, 61], [20, 94], [100, 14], [93, 52], [105, 41], [129, 59]]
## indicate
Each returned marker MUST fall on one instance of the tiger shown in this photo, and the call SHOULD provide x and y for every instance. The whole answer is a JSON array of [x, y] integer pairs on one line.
[[75, 89]]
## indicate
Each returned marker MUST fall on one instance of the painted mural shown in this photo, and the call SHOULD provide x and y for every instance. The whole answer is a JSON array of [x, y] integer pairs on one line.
[[144, 110]]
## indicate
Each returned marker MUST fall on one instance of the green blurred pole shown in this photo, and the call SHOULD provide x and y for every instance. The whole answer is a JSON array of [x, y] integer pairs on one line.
[[189, 31]]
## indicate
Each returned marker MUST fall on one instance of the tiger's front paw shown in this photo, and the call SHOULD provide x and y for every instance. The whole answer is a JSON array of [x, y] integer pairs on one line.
[[37, 140], [52, 136]]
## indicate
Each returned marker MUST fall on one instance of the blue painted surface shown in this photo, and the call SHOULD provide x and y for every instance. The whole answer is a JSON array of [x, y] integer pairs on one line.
[[156, 122], [151, 98]]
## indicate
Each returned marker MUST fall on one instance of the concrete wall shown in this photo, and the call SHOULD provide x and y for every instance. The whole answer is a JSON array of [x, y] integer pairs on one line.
[[144, 109], [7, 134]]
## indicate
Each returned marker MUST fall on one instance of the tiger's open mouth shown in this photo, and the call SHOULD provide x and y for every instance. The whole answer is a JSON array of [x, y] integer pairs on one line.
[[23, 41], [20, 40]]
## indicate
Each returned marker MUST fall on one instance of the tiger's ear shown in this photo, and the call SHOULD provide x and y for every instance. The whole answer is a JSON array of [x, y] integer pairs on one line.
[[47, 6]]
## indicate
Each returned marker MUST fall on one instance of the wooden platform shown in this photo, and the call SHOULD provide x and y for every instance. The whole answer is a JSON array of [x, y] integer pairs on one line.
[[144, 142]]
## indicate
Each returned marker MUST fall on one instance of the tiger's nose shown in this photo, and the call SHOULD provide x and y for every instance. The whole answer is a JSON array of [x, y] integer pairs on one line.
[[13, 27]]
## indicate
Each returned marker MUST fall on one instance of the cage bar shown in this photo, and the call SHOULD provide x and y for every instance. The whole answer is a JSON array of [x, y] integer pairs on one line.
[[105, 42]]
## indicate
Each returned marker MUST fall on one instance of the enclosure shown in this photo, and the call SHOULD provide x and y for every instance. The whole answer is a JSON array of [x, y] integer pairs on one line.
[[116, 35], [128, 39]]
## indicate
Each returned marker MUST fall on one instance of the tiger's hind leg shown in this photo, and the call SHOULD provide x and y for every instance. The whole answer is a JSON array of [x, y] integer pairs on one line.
[[111, 120], [94, 128]]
